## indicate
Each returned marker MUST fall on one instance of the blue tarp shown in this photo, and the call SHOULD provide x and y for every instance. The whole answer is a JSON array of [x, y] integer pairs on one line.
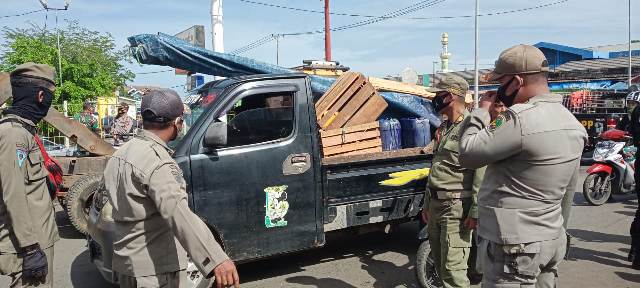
[[170, 51]]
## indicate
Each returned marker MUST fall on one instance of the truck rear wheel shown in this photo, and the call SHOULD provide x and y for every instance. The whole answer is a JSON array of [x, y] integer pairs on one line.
[[425, 269], [79, 199]]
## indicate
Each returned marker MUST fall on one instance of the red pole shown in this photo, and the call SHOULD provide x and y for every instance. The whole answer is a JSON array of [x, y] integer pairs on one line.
[[327, 32]]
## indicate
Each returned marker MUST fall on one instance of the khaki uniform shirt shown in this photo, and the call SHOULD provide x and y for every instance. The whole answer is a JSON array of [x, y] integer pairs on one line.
[[446, 173], [533, 154], [153, 221], [26, 209]]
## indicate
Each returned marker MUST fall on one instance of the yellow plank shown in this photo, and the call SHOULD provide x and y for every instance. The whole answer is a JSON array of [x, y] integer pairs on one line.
[[394, 86]]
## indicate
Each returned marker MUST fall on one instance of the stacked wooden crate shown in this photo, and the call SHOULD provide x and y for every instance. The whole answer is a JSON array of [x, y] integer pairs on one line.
[[347, 115]]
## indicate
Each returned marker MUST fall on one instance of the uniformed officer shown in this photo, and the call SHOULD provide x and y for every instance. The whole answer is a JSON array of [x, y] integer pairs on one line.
[[28, 229], [633, 126], [450, 206], [153, 223], [533, 154]]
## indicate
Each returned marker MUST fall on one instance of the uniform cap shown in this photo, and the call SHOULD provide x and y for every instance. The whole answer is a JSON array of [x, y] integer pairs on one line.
[[520, 59], [161, 105], [451, 83], [33, 70]]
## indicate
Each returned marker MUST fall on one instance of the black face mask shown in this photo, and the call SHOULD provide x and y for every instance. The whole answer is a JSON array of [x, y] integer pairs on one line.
[[25, 102], [439, 104], [502, 94]]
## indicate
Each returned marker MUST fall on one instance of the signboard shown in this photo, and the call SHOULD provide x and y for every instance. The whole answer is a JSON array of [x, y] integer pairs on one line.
[[193, 35]]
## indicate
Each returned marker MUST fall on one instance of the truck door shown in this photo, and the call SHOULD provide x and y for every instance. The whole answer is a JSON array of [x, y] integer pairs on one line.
[[258, 192]]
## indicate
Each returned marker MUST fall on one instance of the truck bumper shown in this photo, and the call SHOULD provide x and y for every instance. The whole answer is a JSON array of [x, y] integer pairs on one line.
[[100, 242]]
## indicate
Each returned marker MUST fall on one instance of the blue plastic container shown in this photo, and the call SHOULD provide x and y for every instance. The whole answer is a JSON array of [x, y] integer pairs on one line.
[[416, 132], [390, 132]]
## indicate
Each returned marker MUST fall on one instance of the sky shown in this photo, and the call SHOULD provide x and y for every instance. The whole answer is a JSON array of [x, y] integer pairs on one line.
[[380, 49]]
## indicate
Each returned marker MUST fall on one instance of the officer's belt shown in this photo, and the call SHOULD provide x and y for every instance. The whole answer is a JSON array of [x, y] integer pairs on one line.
[[445, 194]]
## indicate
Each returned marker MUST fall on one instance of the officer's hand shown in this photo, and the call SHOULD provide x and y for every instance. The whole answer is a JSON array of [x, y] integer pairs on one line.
[[487, 100], [425, 215], [226, 275], [471, 223], [34, 263]]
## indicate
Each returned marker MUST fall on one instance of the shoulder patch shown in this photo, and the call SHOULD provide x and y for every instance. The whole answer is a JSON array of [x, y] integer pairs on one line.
[[21, 155], [499, 121], [176, 172]]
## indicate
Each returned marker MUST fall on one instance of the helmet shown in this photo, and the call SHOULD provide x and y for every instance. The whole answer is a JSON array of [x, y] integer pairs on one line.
[[634, 96]]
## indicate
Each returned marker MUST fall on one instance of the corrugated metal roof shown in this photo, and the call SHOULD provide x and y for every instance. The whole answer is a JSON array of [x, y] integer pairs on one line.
[[615, 47], [596, 64]]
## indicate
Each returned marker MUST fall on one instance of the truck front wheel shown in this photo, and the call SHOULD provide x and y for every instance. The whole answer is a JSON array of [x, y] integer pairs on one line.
[[79, 199]]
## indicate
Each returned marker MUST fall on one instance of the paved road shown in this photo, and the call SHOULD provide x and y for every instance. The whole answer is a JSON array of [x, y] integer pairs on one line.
[[384, 261]]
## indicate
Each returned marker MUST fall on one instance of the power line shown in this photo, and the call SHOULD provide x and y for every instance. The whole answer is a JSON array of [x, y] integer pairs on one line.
[[409, 9], [409, 18], [22, 14]]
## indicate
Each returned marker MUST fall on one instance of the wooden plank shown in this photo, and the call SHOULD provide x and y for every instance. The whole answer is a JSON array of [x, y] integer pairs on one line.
[[352, 147], [350, 108], [394, 86], [363, 151], [336, 89], [369, 112], [5, 88], [338, 106], [334, 93], [79, 133], [351, 137], [356, 128], [384, 155]]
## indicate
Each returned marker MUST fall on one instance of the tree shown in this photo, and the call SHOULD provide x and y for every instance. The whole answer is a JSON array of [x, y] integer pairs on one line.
[[91, 64]]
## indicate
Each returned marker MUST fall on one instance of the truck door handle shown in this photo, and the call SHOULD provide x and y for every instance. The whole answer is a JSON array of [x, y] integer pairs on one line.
[[296, 164]]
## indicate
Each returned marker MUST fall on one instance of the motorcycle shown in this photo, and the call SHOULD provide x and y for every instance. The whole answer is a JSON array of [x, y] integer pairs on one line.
[[613, 169]]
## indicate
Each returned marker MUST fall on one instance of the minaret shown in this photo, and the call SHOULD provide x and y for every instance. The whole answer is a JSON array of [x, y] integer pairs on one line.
[[445, 55]]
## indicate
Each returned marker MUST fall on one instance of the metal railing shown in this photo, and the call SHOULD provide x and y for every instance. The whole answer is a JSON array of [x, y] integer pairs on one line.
[[593, 102]]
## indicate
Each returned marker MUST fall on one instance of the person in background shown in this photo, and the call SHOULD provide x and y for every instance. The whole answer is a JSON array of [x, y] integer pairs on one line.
[[87, 118], [122, 125]]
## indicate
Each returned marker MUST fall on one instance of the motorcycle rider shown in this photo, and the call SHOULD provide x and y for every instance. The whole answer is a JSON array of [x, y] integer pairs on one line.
[[633, 127]]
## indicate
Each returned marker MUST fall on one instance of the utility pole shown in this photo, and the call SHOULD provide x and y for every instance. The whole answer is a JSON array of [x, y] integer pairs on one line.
[[476, 76], [327, 32], [277, 48], [217, 29], [433, 81], [629, 83], [66, 7]]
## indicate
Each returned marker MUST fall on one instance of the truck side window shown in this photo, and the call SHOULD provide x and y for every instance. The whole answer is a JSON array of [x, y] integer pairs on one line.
[[260, 118]]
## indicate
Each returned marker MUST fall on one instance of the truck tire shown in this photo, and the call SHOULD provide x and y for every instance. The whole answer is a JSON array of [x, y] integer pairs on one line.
[[79, 199], [597, 188], [425, 269]]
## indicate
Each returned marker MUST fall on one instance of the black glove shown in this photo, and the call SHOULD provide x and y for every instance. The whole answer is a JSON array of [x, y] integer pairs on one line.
[[34, 264]]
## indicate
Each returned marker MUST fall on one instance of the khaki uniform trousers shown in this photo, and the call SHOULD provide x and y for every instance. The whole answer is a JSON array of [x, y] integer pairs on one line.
[[165, 280], [450, 240], [522, 265], [11, 265]]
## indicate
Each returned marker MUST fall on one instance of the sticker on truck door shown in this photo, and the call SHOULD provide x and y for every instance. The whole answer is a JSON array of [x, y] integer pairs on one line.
[[276, 206]]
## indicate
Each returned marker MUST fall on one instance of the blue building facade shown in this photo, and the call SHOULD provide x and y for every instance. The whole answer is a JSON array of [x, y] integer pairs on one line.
[[559, 54]]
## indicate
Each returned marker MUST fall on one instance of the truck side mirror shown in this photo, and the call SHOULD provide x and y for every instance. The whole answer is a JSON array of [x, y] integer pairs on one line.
[[216, 135]]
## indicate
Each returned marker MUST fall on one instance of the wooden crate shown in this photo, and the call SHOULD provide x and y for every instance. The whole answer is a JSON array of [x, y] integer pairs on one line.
[[350, 101], [359, 139]]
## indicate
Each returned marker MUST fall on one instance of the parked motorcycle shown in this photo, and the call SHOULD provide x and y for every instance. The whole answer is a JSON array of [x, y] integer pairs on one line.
[[613, 169]]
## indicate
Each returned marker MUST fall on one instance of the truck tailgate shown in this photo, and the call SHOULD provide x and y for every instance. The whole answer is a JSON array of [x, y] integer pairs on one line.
[[353, 195]]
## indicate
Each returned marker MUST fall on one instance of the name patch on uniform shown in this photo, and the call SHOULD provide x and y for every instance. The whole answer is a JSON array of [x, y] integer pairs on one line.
[[499, 121], [21, 154]]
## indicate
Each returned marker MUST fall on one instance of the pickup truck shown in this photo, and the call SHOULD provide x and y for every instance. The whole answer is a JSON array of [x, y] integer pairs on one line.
[[260, 182]]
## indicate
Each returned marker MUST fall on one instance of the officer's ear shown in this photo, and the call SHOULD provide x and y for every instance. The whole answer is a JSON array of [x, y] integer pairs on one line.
[[40, 96]]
